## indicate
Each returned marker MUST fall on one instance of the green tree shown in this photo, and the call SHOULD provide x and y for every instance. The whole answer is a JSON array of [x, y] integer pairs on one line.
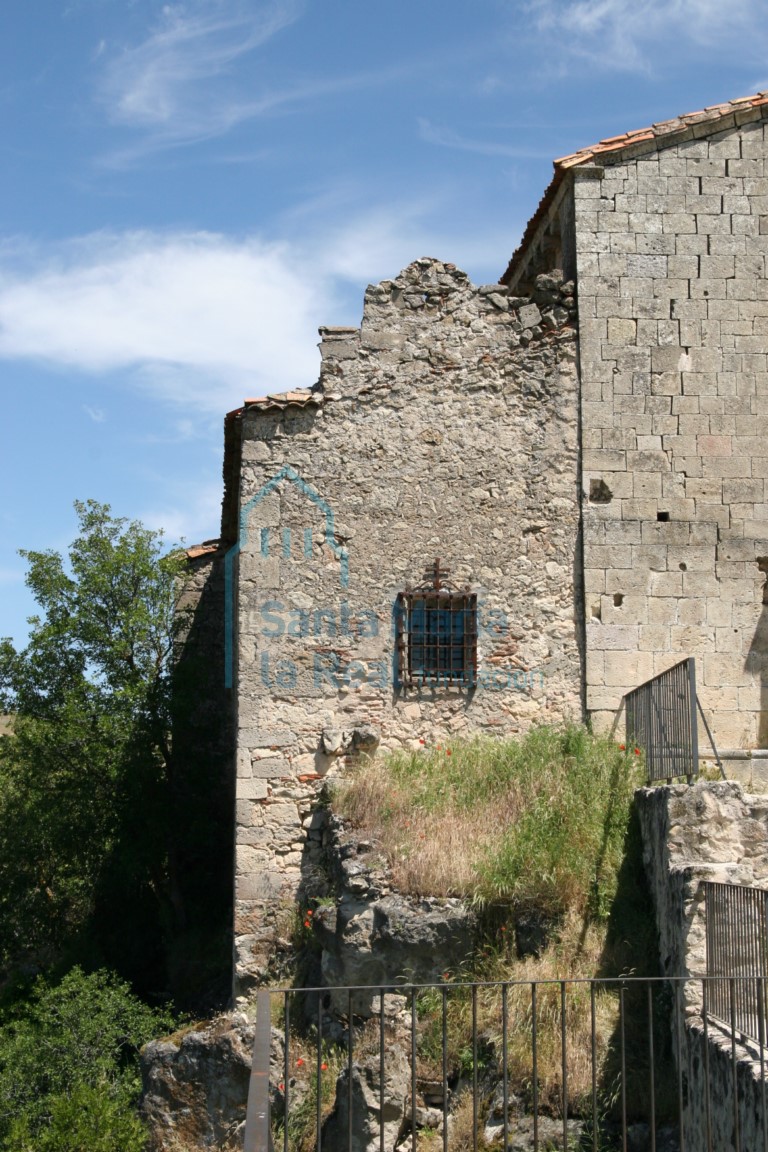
[[68, 1066], [87, 773]]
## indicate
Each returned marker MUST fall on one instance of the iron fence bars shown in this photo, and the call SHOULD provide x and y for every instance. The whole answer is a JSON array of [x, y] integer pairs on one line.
[[661, 719], [258, 1133], [737, 954], [711, 739], [318, 1077], [677, 1030], [651, 1070], [580, 1064]]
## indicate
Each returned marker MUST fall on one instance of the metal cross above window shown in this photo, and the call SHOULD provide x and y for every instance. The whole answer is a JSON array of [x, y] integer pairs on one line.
[[437, 633]]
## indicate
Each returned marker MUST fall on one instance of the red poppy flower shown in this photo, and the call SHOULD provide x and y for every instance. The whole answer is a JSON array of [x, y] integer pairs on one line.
[[447, 751], [281, 1086], [622, 747], [323, 1067], [637, 751], [299, 1062], [422, 741]]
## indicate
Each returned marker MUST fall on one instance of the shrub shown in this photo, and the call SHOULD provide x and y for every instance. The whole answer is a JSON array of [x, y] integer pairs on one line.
[[91, 1118], [71, 1049]]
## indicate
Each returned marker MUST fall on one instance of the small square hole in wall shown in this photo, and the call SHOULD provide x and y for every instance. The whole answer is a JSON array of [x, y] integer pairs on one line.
[[618, 599], [599, 492], [663, 517]]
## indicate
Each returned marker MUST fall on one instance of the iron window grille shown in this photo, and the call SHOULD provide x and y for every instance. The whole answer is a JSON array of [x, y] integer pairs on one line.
[[437, 634]]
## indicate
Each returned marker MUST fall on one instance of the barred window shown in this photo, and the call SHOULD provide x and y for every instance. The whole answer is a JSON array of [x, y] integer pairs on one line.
[[437, 634]]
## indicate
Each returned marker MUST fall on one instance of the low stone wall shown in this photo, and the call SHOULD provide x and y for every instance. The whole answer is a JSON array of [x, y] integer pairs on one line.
[[717, 1081], [706, 831]]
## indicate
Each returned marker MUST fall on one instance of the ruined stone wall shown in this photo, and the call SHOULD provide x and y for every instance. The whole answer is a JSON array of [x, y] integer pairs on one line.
[[673, 333], [447, 428], [704, 831], [708, 831]]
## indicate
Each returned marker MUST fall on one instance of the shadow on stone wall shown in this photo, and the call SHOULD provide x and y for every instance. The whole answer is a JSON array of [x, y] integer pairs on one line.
[[757, 659], [202, 798]]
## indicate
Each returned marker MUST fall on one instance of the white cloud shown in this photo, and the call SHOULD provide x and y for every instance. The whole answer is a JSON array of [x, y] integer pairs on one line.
[[186, 513], [193, 317], [378, 243], [202, 320], [632, 34]]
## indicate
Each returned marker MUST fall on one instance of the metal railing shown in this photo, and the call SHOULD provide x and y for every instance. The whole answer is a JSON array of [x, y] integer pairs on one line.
[[572, 1064], [737, 948], [661, 719]]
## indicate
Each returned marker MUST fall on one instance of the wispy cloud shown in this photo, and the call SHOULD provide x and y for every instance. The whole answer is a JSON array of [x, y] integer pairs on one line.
[[179, 431], [174, 86], [631, 34], [98, 415], [446, 138], [376, 244], [189, 80]]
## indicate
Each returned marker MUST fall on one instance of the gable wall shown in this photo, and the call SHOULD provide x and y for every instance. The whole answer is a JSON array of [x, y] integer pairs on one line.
[[448, 429], [673, 332]]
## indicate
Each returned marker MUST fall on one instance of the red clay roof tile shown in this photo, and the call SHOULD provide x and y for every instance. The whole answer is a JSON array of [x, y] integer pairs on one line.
[[204, 549], [615, 144], [299, 398]]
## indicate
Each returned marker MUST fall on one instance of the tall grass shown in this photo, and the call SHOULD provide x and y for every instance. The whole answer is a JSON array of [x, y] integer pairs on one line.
[[536, 824], [538, 829]]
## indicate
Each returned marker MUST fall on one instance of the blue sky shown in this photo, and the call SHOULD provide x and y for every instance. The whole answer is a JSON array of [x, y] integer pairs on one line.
[[188, 190]]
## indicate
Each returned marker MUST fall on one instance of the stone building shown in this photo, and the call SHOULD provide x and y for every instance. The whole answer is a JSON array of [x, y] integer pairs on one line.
[[509, 503], [665, 231]]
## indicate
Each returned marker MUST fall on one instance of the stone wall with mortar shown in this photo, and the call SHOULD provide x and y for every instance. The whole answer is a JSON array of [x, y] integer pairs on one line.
[[673, 334], [445, 426], [705, 831], [708, 831]]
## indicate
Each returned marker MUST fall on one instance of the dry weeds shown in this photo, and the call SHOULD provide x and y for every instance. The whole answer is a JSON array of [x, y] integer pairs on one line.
[[536, 823]]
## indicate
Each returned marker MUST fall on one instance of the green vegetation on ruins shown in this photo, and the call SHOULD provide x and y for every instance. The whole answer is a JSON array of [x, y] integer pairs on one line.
[[536, 825], [538, 829]]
